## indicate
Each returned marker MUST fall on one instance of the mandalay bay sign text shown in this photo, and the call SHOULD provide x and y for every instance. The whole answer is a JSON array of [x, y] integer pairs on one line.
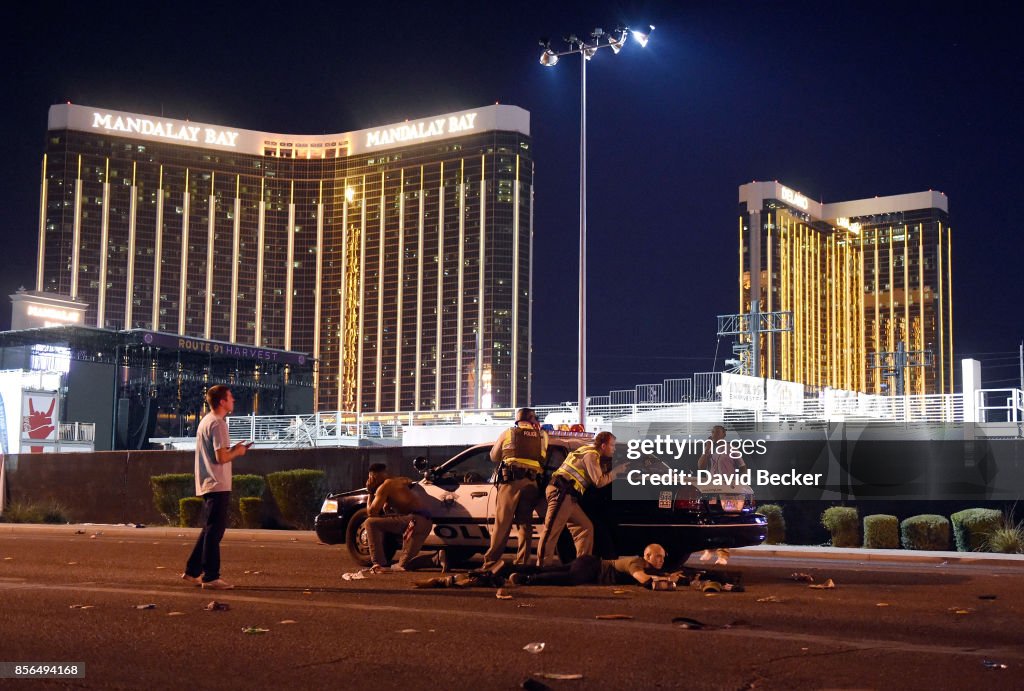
[[175, 131], [422, 129]]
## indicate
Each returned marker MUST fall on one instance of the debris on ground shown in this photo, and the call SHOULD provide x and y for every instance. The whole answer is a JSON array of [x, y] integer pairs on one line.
[[409, 631], [960, 610], [802, 577], [149, 606], [175, 614], [986, 597], [770, 598], [992, 664], [254, 630], [558, 676], [827, 585], [881, 604], [613, 616], [214, 606], [82, 606], [353, 576], [288, 621], [687, 623], [534, 647]]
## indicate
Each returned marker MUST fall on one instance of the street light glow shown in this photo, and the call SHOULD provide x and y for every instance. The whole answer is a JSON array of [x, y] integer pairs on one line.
[[641, 36]]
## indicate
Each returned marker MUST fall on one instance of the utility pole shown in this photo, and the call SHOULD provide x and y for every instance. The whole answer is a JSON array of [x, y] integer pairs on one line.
[[894, 364]]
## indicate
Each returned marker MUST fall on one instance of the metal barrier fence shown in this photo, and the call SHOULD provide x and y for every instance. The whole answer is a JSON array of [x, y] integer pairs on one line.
[[349, 427], [77, 431]]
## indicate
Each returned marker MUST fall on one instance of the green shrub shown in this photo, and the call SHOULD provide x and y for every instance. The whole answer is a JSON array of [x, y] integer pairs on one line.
[[881, 531], [972, 526], [35, 512], [928, 531], [1008, 538], [170, 489], [298, 494], [243, 486], [842, 522], [776, 523], [251, 509], [190, 509]]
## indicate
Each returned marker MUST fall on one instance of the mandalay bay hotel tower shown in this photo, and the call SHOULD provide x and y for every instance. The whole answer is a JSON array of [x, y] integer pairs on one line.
[[863, 279], [398, 256]]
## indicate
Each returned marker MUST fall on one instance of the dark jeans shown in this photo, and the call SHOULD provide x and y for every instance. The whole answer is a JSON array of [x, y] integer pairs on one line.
[[205, 558], [580, 571]]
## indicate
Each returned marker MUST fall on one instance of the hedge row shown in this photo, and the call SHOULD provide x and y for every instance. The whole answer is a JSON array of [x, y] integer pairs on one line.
[[971, 530], [297, 494]]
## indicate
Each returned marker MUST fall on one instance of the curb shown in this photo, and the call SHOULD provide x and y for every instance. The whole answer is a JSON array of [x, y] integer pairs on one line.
[[880, 555], [164, 531]]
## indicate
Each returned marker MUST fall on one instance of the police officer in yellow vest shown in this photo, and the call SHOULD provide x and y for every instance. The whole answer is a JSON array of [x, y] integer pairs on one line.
[[580, 471], [521, 451]]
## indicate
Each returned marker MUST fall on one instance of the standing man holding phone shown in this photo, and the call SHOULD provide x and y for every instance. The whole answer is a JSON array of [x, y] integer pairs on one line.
[[214, 454]]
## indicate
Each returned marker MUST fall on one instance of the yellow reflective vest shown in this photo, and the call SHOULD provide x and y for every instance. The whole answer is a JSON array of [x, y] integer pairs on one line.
[[574, 470]]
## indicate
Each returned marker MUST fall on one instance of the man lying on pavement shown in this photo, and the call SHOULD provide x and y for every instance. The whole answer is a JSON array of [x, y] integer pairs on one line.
[[646, 571]]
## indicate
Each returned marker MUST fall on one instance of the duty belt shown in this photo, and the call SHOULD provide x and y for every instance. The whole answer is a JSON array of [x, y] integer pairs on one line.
[[518, 472]]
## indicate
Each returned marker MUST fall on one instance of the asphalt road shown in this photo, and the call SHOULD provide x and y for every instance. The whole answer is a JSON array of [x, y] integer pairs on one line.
[[884, 625]]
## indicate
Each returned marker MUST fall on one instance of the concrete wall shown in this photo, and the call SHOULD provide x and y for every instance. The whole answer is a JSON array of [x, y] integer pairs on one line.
[[113, 486]]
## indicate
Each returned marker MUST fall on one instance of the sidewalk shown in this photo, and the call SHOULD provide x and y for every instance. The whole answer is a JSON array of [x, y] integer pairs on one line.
[[86, 530], [880, 555]]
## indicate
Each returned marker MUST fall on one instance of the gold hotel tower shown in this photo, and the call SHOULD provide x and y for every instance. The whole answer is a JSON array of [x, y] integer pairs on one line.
[[398, 256], [859, 277]]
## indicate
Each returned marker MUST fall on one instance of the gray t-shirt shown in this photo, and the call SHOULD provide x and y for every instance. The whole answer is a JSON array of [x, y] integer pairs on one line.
[[212, 476]]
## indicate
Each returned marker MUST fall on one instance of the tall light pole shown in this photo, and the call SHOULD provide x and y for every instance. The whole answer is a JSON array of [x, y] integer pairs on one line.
[[549, 58]]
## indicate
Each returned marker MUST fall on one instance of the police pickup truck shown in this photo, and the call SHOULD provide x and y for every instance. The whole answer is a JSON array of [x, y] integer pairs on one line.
[[460, 496]]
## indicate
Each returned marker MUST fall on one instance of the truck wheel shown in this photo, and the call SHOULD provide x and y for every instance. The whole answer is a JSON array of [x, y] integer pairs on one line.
[[358, 544]]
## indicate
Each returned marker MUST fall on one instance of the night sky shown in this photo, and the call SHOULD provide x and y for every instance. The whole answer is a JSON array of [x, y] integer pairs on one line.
[[838, 104]]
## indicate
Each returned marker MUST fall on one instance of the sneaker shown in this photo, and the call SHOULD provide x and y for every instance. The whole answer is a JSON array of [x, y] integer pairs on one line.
[[518, 579], [396, 567], [194, 580], [441, 559], [219, 584]]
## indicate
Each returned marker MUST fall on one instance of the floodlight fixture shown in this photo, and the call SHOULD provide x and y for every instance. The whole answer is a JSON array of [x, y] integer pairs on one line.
[[642, 36], [616, 44], [549, 58]]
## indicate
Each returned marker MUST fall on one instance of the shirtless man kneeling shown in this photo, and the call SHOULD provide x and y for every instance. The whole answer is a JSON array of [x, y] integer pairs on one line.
[[395, 509]]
